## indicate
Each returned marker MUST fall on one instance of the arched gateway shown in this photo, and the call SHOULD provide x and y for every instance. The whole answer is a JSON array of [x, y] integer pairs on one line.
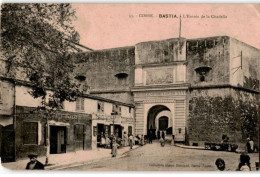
[[159, 119], [160, 87]]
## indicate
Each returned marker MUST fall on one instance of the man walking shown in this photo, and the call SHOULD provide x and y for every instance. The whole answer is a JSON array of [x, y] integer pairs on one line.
[[131, 141], [150, 137]]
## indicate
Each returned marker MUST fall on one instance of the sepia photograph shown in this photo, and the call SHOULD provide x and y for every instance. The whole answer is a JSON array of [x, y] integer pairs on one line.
[[130, 87]]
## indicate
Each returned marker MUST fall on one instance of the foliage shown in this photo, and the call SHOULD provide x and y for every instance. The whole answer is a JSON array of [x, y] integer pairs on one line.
[[38, 38], [210, 117]]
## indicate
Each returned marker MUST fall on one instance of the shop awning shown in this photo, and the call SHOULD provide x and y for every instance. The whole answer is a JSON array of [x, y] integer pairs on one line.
[[53, 122], [6, 120]]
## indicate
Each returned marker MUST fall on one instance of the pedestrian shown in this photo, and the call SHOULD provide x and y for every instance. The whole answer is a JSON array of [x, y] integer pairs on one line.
[[151, 137], [158, 135], [111, 141], [248, 147], [220, 163], [172, 143], [138, 139], [125, 139], [114, 148], [34, 164], [251, 143], [163, 135], [244, 164], [142, 140], [162, 141], [107, 143], [103, 140], [131, 141]]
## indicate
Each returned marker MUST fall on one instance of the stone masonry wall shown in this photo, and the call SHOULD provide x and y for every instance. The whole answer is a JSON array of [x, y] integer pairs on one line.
[[211, 52], [102, 69], [215, 112], [244, 65], [158, 52]]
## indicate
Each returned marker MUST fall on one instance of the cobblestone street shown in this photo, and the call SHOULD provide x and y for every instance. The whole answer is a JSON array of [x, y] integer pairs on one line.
[[168, 158]]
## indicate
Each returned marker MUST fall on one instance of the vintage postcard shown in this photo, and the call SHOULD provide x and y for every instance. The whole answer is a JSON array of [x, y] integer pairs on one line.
[[130, 87]]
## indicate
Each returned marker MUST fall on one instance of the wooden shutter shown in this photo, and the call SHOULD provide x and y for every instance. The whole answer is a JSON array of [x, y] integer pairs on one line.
[[78, 104], [119, 110], [82, 104], [30, 132]]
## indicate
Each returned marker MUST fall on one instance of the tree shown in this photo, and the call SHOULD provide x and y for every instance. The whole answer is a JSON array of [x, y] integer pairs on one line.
[[38, 39]]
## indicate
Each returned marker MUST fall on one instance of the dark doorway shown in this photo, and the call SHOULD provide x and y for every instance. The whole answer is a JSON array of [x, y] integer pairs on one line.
[[57, 139], [79, 136], [107, 131], [7, 144], [118, 131], [130, 131], [100, 132], [153, 112], [163, 123]]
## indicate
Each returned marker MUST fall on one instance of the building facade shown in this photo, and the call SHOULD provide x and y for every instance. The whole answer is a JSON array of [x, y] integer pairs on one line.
[[76, 126], [195, 89]]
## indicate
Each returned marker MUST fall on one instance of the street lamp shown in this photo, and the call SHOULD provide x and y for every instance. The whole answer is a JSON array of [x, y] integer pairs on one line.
[[113, 114]]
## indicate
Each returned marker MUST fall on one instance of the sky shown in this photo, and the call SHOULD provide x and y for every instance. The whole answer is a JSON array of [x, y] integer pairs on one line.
[[117, 25]]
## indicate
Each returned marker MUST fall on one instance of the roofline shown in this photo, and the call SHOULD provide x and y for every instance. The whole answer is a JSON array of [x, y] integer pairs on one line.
[[224, 86], [183, 38], [161, 40], [107, 49], [79, 44], [209, 37], [248, 45], [28, 84], [108, 100]]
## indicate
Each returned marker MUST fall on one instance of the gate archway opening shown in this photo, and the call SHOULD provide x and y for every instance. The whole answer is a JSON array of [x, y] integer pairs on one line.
[[159, 119], [163, 123]]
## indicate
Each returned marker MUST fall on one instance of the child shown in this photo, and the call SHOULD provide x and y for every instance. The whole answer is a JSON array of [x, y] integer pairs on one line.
[[244, 164]]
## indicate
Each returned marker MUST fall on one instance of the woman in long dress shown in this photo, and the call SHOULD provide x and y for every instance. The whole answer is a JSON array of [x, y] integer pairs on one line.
[[114, 149], [107, 143], [131, 141], [125, 139], [103, 140]]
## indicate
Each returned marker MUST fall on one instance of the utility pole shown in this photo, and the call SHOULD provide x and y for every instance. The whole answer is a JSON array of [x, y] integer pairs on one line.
[[113, 114], [180, 28]]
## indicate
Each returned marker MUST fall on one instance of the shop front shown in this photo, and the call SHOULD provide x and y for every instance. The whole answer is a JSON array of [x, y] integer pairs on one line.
[[103, 132], [105, 126], [59, 133]]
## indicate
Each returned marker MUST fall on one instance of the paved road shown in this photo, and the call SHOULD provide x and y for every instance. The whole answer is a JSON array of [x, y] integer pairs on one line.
[[168, 158]]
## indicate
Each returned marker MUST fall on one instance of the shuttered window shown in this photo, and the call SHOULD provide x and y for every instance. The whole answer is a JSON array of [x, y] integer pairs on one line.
[[80, 104], [100, 107], [79, 132], [119, 110], [30, 132], [114, 108]]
